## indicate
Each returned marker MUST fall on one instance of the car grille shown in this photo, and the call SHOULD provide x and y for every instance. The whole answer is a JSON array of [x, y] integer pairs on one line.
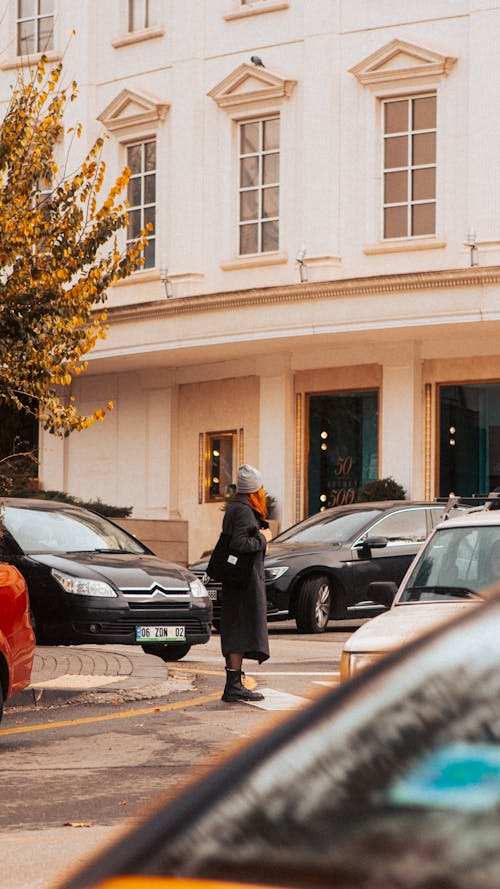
[[163, 609], [155, 591]]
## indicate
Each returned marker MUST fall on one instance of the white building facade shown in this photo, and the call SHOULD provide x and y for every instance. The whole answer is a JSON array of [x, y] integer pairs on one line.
[[321, 294]]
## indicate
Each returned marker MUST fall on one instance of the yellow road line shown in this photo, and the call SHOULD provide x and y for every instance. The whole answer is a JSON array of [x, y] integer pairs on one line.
[[162, 708]]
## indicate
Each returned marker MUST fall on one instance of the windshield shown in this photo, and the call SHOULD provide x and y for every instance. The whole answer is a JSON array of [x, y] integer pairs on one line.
[[336, 528], [65, 530], [456, 563]]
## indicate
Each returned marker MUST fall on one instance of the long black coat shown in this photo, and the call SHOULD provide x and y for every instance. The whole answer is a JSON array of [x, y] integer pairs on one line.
[[243, 619]]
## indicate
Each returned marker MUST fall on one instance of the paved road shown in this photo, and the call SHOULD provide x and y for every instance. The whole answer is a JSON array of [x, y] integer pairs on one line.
[[102, 730]]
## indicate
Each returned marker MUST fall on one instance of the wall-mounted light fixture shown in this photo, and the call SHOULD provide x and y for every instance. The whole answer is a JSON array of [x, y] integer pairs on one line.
[[166, 281], [471, 241], [301, 252]]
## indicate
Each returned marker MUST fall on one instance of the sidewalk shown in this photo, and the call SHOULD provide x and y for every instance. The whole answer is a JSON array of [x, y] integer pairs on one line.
[[126, 673]]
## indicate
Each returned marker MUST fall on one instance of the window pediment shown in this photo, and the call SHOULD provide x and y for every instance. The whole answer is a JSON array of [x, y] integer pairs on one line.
[[400, 60], [249, 84], [132, 107]]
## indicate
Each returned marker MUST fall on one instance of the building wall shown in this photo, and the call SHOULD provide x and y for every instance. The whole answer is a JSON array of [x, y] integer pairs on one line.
[[243, 342]]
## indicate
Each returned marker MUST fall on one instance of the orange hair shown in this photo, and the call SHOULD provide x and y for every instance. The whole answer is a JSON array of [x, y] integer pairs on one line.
[[257, 501]]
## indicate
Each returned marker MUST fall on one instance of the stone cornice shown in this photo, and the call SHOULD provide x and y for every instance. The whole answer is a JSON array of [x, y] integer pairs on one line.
[[350, 287]]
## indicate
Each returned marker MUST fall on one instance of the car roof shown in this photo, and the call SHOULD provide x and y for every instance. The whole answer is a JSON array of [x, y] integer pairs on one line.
[[473, 518], [375, 504]]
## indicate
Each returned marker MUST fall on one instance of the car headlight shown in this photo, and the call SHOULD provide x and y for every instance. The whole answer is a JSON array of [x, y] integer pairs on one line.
[[197, 589], [351, 663], [345, 666], [81, 587], [274, 573]]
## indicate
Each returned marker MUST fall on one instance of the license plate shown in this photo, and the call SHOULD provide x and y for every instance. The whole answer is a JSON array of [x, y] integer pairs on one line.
[[160, 634]]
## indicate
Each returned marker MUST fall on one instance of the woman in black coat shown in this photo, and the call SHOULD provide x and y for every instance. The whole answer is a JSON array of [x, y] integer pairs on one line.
[[243, 620]]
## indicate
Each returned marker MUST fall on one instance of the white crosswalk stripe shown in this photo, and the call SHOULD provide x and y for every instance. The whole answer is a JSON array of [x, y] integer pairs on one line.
[[278, 700]]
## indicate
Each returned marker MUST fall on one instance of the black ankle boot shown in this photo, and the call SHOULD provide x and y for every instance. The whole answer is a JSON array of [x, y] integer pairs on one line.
[[236, 691]]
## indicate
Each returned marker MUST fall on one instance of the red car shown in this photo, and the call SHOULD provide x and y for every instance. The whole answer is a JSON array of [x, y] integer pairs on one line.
[[17, 640]]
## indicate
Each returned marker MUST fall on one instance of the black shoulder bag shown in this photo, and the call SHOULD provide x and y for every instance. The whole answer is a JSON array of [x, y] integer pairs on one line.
[[227, 567]]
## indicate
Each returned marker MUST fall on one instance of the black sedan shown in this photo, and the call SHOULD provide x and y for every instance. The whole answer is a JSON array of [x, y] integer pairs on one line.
[[319, 569], [91, 582]]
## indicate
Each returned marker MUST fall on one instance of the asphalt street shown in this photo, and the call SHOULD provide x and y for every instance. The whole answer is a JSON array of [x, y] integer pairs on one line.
[[129, 722]]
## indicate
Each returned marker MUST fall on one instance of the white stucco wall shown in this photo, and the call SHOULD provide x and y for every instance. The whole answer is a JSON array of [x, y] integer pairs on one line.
[[242, 338]]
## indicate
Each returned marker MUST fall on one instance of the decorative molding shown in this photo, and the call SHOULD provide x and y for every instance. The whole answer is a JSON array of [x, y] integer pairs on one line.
[[322, 261], [298, 456], [31, 61], [201, 466], [407, 245], [131, 108], [241, 446], [141, 276], [249, 84], [253, 261], [427, 440], [399, 60], [257, 8], [137, 36], [410, 282]]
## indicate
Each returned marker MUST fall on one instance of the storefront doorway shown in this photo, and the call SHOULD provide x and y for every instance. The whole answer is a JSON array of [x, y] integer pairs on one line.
[[343, 447], [469, 438]]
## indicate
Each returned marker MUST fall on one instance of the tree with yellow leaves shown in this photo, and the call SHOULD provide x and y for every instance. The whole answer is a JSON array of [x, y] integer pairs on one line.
[[58, 253]]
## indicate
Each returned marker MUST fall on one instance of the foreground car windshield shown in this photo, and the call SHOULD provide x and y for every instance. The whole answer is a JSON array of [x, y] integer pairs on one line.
[[65, 530], [456, 563], [337, 528]]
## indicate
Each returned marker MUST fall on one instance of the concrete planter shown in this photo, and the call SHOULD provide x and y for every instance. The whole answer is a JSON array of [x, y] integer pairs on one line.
[[167, 539]]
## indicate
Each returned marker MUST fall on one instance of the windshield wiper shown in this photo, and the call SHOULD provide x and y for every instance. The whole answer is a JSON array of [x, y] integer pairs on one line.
[[458, 592], [129, 552]]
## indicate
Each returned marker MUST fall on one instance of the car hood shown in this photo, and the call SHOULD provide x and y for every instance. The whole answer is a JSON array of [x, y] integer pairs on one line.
[[123, 570], [279, 552], [403, 623]]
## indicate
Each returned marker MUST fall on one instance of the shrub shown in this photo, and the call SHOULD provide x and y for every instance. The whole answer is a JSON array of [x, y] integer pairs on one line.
[[381, 489], [103, 509]]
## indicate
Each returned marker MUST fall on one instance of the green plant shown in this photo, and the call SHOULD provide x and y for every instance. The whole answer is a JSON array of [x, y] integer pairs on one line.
[[104, 509], [381, 489]]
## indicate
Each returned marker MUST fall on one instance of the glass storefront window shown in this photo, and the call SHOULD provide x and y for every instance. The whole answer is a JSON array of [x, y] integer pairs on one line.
[[343, 447], [219, 464], [469, 439]]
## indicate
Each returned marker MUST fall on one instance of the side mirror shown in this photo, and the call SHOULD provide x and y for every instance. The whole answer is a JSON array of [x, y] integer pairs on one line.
[[370, 543], [382, 592]]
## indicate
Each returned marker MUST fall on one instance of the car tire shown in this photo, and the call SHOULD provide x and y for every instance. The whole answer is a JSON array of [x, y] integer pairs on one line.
[[37, 628], [1, 701], [313, 605], [167, 652]]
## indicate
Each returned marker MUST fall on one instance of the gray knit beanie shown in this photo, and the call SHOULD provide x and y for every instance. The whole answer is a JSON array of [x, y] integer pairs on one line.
[[249, 479]]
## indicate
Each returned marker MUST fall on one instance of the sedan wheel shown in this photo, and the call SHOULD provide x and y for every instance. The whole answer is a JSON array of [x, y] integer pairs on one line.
[[1, 701], [167, 652], [313, 605]]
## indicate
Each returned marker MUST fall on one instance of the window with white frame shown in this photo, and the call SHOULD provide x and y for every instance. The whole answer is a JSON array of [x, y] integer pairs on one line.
[[259, 185], [409, 166], [141, 195], [35, 26], [139, 15]]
